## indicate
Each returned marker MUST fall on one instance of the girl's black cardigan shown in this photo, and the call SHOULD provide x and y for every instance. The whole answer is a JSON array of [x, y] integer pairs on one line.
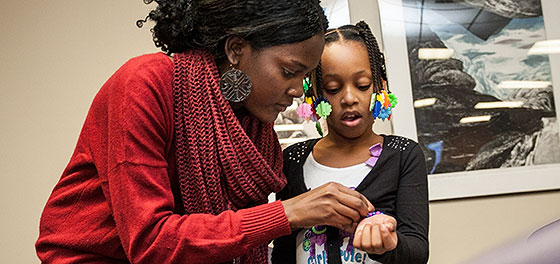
[[396, 185]]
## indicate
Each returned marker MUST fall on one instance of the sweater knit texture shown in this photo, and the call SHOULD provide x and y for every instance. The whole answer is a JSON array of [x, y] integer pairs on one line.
[[120, 198], [213, 146]]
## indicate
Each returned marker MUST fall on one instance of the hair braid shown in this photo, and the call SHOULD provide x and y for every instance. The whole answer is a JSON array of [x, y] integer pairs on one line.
[[376, 59], [360, 33], [330, 36], [318, 80]]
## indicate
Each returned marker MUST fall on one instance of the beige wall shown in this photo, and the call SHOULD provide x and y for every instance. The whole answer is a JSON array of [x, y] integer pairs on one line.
[[56, 54], [463, 228]]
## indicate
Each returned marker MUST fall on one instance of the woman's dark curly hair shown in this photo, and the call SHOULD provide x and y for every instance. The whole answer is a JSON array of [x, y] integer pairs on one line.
[[189, 24], [360, 33]]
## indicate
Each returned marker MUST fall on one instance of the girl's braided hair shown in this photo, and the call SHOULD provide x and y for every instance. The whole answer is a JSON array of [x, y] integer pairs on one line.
[[360, 33]]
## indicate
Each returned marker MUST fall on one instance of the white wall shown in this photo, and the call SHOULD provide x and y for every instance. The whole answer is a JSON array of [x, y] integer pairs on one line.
[[54, 56]]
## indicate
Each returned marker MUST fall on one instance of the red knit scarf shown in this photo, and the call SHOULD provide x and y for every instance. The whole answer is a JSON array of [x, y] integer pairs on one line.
[[223, 163]]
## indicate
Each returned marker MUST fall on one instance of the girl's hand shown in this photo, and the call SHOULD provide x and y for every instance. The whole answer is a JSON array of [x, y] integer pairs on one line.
[[376, 234], [329, 204]]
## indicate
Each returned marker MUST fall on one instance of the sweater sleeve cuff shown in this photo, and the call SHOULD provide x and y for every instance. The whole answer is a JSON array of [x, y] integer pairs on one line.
[[263, 223]]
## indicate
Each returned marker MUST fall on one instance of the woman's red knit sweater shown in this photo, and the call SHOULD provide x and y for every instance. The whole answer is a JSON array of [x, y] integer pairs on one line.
[[118, 200]]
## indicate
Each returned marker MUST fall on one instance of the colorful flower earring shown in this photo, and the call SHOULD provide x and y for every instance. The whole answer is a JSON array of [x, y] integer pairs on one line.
[[313, 108], [381, 104]]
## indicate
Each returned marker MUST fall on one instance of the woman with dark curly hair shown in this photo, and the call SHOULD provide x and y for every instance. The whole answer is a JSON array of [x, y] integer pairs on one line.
[[178, 154]]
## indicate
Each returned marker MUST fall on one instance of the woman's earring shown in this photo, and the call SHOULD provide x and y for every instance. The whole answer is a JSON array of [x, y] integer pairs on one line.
[[235, 85]]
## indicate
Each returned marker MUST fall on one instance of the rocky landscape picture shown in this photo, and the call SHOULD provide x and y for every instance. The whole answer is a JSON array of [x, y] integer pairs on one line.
[[472, 109]]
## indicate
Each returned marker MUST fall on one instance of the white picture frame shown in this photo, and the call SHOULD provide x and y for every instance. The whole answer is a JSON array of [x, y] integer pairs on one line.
[[464, 183]]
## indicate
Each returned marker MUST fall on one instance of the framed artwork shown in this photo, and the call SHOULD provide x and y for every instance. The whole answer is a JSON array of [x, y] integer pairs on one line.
[[476, 91]]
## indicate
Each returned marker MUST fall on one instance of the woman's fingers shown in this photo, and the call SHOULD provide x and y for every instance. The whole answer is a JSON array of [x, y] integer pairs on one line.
[[356, 200], [344, 201], [340, 220], [330, 204], [343, 210]]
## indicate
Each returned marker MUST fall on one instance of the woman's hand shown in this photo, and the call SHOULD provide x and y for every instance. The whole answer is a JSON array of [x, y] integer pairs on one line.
[[329, 204], [376, 234]]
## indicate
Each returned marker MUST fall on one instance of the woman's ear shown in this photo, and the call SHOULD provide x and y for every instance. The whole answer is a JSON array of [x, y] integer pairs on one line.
[[234, 48]]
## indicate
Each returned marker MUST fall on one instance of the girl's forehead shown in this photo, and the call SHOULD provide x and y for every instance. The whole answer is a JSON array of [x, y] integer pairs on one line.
[[344, 50], [346, 46]]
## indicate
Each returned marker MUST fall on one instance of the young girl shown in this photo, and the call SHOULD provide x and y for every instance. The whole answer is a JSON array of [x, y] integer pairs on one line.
[[350, 92]]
